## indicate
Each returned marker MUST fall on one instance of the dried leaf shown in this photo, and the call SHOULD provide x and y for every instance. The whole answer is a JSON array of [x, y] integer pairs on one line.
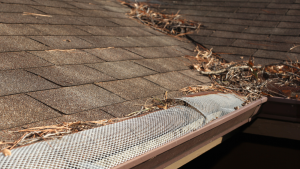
[[35, 14], [6, 152]]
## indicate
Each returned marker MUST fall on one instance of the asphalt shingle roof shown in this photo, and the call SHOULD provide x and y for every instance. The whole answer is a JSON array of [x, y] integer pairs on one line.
[[86, 60], [78, 60]]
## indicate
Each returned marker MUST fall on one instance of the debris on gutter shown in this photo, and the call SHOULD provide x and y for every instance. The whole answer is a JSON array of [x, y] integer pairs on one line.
[[111, 145], [253, 82]]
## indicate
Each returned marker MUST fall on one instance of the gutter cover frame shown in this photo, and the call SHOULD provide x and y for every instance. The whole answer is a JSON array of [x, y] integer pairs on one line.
[[137, 162], [282, 109]]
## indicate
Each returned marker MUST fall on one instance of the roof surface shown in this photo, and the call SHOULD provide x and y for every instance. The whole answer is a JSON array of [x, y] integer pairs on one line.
[[86, 60], [63, 61], [265, 29]]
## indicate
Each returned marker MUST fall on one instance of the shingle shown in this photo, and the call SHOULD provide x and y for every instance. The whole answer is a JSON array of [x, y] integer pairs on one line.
[[124, 21], [61, 20], [62, 42], [70, 75], [61, 57], [113, 54], [149, 41], [122, 69], [196, 75], [207, 19], [224, 27], [86, 5], [132, 88], [19, 81], [18, 18], [234, 50], [19, 43], [251, 23], [104, 41], [18, 29], [110, 3], [30, 2], [293, 12], [151, 30], [280, 5], [115, 31], [263, 11], [166, 40], [224, 34], [17, 60], [165, 64], [258, 60], [63, 30], [98, 13], [95, 21], [287, 39], [17, 8], [232, 15], [125, 108], [18, 110], [262, 45], [277, 55], [54, 3], [89, 115], [172, 80], [75, 99], [117, 9], [54, 11], [213, 40], [157, 52], [278, 31], [289, 25]]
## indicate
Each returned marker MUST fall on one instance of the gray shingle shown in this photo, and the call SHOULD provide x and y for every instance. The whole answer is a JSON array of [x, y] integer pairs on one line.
[[63, 30], [17, 60], [132, 88], [122, 69], [113, 54], [19, 29], [18, 81], [157, 52], [165, 64], [19, 43], [70, 75], [62, 42], [61, 57], [18, 110], [75, 99], [115, 31], [172, 80], [196, 75]]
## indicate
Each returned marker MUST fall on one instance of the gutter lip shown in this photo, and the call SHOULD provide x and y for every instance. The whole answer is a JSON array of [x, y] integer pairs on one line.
[[150, 154]]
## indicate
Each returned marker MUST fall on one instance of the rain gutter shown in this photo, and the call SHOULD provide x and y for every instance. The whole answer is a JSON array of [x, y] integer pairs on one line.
[[184, 149], [281, 109]]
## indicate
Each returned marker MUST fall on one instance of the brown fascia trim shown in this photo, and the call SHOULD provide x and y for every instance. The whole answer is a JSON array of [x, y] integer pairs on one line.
[[229, 122], [281, 109]]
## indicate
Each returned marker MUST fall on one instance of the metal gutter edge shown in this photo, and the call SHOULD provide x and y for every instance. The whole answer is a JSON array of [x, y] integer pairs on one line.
[[249, 110], [281, 109]]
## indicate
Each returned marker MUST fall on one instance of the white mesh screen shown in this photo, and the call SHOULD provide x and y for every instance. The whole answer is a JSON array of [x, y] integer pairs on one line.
[[107, 146]]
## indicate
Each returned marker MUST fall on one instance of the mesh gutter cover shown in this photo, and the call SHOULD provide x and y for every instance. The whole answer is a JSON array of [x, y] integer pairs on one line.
[[111, 145]]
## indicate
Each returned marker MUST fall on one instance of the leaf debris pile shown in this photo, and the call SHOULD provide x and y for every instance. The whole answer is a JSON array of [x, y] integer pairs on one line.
[[281, 79], [166, 23]]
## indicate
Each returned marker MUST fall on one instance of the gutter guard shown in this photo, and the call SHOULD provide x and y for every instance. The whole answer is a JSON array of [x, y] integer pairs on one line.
[[181, 147], [132, 143]]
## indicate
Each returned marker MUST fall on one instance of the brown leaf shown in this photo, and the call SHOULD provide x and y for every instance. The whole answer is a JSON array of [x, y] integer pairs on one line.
[[6, 152]]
